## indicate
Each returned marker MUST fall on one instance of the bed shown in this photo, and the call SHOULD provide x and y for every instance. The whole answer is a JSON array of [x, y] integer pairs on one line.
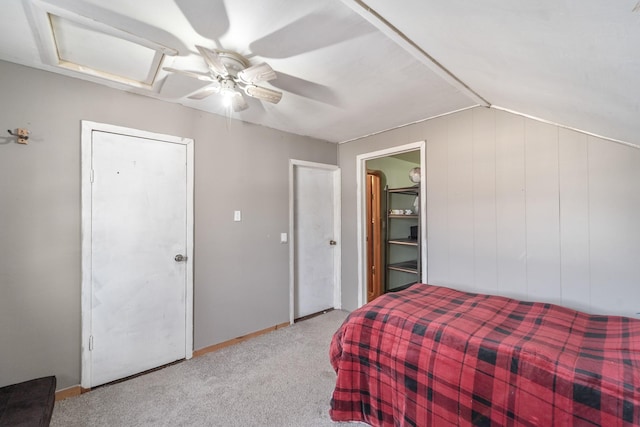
[[434, 356]]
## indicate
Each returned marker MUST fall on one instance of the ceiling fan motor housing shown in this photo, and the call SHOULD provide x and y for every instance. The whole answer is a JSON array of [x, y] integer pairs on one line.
[[233, 61], [227, 83]]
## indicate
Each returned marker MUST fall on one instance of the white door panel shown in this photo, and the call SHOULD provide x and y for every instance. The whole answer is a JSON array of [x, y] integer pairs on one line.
[[313, 231], [139, 223]]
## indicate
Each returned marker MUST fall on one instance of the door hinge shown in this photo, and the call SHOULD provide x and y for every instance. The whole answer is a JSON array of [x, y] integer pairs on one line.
[[90, 342]]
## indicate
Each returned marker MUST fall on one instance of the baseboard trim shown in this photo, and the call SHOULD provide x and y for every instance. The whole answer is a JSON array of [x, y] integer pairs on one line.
[[77, 390], [73, 391], [237, 340]]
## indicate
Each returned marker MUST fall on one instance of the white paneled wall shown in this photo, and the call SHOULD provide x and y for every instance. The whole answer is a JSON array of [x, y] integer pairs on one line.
[[574, 217], [530, 210], [485, 235], [459, 199], [614, 227], [437, 219], [542, 211], [510, 206]]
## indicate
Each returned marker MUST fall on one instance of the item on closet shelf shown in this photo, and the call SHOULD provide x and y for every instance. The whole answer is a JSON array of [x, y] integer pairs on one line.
[[413, 232], [414, 175]]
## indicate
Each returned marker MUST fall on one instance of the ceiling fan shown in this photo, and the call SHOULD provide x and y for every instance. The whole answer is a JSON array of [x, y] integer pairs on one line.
[[230, 75]]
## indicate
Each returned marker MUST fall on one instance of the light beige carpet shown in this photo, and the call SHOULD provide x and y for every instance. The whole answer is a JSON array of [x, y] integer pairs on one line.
[[280, 379]]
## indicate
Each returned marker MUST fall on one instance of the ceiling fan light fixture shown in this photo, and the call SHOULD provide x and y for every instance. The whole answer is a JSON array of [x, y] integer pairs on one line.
[[227, 96], [238, 103], [257, 73]]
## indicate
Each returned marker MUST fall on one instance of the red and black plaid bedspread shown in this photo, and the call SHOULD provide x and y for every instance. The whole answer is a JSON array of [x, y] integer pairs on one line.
[[433, 356]]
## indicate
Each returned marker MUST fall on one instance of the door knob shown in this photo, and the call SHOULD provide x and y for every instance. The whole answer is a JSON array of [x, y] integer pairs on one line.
[[333, 242], [180, 258]]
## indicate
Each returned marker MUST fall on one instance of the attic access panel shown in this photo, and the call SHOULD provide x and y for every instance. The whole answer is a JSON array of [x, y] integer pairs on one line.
[[79, 47], [76, 43]]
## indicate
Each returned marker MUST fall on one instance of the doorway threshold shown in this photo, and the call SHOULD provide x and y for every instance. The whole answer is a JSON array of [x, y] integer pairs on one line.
[[312, 315]]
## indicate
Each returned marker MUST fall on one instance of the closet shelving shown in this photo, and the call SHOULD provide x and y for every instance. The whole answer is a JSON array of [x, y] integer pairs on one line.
[[402, 254]]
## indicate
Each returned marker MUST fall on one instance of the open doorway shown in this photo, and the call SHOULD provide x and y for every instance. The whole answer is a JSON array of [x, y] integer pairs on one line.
[[377, 172]]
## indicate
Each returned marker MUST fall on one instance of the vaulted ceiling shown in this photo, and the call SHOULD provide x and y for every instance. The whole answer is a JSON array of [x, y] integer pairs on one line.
[[349, 68]]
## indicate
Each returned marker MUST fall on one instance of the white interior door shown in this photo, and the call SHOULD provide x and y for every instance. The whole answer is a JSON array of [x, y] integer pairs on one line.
[[139, 299], [315, 233]]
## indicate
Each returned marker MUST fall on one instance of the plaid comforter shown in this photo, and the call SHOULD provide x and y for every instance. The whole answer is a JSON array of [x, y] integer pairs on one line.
[[433, 356]]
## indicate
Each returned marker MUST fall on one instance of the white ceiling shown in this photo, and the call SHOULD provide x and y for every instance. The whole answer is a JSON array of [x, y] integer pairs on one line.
[[349, 68]]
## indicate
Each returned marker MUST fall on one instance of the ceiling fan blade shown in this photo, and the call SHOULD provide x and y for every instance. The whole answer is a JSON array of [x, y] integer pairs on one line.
[[307, 89], [209, 19], [203, 93], [195, 74], [263, 94], [257, 73], [285, 42], [238, 103], [213, 61]]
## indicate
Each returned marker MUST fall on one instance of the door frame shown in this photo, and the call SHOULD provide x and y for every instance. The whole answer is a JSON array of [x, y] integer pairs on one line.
[[337, 227], [361, 213], [88, 127]]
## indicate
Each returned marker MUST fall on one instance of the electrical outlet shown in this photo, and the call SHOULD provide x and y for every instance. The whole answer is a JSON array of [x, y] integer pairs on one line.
[[237, 216]]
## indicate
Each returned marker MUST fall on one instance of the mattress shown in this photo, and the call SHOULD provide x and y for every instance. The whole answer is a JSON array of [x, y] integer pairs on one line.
[[434, 356]]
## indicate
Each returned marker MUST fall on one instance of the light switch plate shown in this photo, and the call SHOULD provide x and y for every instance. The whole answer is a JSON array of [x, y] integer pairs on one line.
[[237, 216], [283, 237]]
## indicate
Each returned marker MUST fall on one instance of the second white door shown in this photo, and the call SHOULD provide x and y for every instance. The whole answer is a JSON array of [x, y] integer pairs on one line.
[[315, 240]]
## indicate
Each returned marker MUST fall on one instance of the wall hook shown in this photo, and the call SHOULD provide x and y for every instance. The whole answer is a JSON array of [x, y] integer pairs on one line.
[[21, 134]]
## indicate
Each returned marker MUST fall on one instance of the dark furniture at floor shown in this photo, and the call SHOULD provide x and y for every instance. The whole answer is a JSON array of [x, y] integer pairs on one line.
[[28, 404]]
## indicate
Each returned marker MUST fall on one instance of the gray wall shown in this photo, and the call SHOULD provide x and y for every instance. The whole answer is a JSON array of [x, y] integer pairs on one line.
[[519, 208], [241, 269]]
